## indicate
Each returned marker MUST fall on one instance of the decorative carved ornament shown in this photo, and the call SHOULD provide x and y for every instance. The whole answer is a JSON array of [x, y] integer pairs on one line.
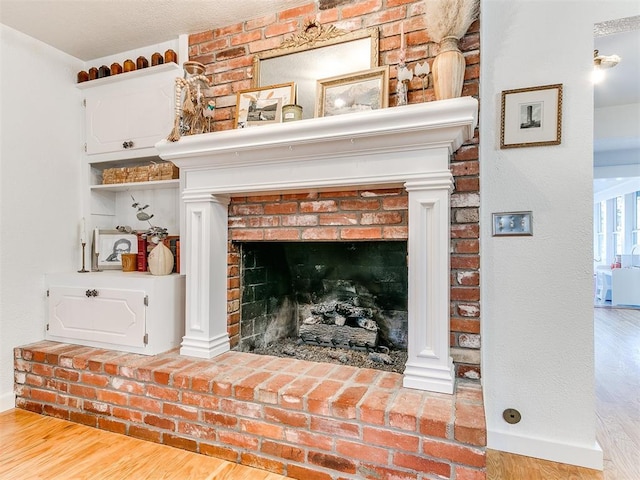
[[312, 33]]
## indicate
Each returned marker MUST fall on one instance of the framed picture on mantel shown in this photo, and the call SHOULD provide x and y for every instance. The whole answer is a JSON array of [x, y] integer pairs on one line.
[[531, 117], [354, 92], [262, 106]]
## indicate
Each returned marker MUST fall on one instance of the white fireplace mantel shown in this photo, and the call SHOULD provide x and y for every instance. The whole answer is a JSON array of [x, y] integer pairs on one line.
[[409, 145]]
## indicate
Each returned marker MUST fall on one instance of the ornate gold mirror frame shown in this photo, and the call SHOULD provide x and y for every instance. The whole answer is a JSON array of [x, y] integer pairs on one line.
[[316, 52]]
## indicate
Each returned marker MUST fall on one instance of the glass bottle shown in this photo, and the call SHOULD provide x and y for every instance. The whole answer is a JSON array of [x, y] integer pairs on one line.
[[157, 59], [104, 71], [141, 62], [170, 56], [116, 68], [93, 73], [83, 76], [129, 65]]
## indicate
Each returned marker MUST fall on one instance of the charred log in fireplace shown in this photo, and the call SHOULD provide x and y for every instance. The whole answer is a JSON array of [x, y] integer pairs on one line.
[[340, 324], [345, 319]]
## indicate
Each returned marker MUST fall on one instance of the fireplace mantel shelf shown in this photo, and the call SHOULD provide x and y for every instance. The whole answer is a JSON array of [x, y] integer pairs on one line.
[[443, 123], [407, 146]]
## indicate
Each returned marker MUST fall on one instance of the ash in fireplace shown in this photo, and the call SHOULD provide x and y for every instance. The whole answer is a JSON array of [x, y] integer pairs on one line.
[[295, 348], [353, 318]]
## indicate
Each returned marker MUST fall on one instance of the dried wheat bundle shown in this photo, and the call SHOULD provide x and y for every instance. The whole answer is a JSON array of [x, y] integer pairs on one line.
[[449, 18]]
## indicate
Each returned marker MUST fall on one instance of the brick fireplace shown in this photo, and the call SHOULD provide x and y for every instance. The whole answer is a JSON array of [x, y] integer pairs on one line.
[[405, 147], [303, 419]]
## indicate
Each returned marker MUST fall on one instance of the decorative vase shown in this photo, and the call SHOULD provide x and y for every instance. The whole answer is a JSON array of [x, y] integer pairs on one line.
[[160, 260], [448, 70]]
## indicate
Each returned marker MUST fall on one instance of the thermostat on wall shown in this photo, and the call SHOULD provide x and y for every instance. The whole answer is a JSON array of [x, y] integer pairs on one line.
[[512, 223]]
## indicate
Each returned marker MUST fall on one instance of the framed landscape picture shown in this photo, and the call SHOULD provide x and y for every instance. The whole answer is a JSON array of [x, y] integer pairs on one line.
[[531, 117], [263, 105], [354, 92]]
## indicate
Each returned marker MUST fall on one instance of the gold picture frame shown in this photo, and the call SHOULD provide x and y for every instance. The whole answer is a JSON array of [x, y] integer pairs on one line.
[[306, 54], [263, 105], [354, 92], [531, 117]]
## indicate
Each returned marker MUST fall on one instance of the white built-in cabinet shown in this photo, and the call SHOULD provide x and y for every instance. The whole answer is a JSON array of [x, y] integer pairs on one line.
[[132, 312], [129, 112], [125, 116]]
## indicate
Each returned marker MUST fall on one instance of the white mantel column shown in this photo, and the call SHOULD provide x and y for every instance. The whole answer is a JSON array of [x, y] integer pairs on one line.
[[206, 271], [429, 366]]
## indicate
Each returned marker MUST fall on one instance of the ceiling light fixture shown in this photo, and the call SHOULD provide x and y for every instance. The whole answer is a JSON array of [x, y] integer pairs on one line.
[[602, 62]]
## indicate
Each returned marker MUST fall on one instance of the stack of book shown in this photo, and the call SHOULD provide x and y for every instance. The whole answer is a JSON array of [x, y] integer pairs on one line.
[[144, 247]]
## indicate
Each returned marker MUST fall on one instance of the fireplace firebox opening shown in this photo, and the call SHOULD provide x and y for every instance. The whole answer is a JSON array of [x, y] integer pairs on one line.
[[336, 302]]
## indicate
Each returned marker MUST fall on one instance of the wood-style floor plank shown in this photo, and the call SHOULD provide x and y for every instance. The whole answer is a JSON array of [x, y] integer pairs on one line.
[[38, 447], [617, 350], [507, 466]]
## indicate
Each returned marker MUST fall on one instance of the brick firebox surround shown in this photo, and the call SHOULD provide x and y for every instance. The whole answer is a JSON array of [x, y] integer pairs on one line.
[[306, 420], [228, 55]]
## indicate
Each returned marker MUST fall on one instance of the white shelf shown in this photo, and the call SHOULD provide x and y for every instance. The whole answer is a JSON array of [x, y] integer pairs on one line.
[[115, 159], [151, 185], [165, 67]]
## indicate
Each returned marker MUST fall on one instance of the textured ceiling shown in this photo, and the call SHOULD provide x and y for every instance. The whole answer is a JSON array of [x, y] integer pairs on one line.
[[622, 85], [89, 29]]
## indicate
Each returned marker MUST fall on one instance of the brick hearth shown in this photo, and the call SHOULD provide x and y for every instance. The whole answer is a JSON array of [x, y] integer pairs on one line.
[[306, 420]]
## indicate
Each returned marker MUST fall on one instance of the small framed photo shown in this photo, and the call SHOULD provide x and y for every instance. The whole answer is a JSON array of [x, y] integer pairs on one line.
[[531, 117], [355, 92], [263, 105], [109, 245]]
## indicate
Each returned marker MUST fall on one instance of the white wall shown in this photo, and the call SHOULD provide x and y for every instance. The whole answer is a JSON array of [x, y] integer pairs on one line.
[[537, 315], [618, 122], [617, 135], [40, 155]]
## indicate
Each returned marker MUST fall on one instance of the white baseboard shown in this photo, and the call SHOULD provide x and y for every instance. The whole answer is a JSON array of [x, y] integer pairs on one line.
[[7, 401], [588, 457]]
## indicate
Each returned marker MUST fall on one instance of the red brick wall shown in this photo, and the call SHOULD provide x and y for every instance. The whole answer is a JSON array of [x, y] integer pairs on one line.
[[228, 54]]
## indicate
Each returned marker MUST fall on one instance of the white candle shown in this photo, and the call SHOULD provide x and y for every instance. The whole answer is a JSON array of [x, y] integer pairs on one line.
[[96, 241], [83, 233], [403, 46]]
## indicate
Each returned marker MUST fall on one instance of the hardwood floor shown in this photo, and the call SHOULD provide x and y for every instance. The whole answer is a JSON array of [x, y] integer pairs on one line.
[[617, 341], [37, 447], [507, 466], [32, 446]]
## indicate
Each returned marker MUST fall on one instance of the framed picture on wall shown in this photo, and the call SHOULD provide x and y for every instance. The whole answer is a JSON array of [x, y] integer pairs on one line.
[[354, 92], [262, 106], [109, 245], [531, 117]]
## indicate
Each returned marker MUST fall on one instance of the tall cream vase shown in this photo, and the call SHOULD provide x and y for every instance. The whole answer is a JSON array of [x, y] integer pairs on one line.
[[160, 260], [448, 69]]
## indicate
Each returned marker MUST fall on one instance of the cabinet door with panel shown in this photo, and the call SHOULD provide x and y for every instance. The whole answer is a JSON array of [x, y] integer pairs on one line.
[[109, 315], [130, 111], [128, 311]]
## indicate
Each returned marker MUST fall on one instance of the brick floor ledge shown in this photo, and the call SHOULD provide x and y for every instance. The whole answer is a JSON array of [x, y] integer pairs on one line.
[[305, 420]]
